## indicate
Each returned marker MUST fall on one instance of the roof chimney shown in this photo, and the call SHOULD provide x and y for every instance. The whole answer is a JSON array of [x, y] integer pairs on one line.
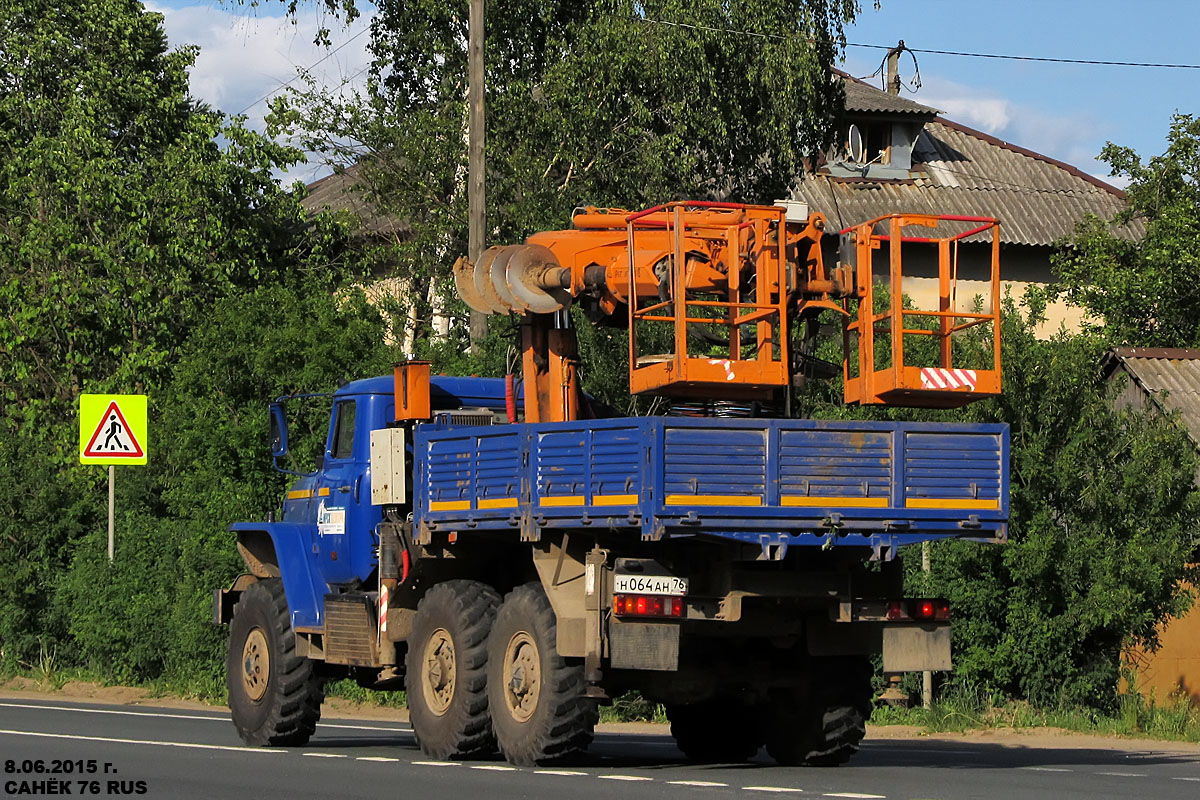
[[892, 73]]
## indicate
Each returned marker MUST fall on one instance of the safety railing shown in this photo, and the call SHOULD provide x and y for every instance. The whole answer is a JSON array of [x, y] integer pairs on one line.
[[887, 358]]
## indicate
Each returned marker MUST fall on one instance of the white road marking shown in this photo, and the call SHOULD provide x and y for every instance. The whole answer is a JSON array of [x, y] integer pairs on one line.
[[495, 768], [1124, 774], [375, 758], [780, 789], [437, 764], [696, 783], [210, 718], [325, 755], [854, 794], [1185, 779], [362, 727], [557, 772], [161, 715], [1048, 769], [190, 745], [623, 778]]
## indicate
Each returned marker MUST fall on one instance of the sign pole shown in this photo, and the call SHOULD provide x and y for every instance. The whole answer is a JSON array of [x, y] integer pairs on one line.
[[112, 474], [112, 430]]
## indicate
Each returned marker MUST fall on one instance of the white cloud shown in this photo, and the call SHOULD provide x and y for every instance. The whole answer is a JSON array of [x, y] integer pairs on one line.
[[244, 57], [1072, 137]]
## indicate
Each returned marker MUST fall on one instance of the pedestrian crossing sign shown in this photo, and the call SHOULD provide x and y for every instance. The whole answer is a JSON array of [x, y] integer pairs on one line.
[[112, 429]]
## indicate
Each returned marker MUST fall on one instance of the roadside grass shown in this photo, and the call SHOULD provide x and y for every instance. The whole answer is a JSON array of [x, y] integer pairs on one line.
[[959, 710]]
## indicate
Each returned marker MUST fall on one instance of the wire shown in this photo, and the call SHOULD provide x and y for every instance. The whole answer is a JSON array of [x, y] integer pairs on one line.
[[916, 49], [301, 72], [1032, 58]]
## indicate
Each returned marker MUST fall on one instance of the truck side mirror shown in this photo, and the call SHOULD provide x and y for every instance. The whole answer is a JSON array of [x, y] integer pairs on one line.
[[279, 444]]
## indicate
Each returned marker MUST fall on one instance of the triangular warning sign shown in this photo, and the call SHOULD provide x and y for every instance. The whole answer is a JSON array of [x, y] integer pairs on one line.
[[113, 438]]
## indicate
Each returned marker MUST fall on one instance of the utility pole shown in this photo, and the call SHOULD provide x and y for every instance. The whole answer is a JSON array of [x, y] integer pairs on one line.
[[893, 68], [926, 676], [475, 156]]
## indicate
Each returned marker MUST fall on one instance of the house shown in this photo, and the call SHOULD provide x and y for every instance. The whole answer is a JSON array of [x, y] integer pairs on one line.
[[1165, 380], [902, 156]]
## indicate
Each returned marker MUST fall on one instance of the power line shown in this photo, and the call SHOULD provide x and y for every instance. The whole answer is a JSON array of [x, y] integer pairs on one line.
[[293, 79], [1034, 58], [757, 34]]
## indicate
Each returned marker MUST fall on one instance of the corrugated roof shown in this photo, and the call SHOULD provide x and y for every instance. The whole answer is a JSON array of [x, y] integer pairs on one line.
[[342, 191], [959, 170], [1170, 376], [863, 97]]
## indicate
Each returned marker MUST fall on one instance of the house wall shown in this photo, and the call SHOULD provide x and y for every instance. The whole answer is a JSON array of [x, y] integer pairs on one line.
[[1021, 267], [1175, 669]]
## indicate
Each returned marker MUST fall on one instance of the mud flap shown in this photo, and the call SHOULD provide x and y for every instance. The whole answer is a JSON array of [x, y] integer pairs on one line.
[[913, 648]]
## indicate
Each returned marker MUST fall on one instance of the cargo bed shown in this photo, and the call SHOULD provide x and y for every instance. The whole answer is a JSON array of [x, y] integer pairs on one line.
[[770, 482]]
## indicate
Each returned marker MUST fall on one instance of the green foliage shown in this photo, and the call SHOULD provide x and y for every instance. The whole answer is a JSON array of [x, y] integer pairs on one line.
[[588, 103], [144, 247], [1144, 289], [1103, 517]]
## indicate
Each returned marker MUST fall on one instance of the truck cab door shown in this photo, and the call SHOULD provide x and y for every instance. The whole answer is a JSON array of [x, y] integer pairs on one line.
[[342, 496]]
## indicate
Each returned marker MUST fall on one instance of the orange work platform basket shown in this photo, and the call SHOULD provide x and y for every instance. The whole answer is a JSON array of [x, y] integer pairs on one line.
[[909, 341]]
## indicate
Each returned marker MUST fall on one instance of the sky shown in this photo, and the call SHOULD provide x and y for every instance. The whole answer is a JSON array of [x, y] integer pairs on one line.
[[1066, 111]]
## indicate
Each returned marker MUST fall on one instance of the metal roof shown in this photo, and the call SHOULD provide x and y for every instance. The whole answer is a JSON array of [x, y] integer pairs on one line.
[[1169, 376], [343, 191], [959, 170]]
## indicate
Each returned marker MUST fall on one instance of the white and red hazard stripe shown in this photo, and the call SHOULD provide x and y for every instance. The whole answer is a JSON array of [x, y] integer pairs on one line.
[[942, 378]]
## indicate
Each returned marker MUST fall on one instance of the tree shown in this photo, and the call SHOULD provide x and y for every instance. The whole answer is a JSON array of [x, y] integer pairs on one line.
[[1144, 288], [128, 211], [122, 216], [606, 102]]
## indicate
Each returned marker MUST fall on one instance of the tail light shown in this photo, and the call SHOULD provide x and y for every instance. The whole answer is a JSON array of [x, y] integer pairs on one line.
[[919, 610], [647, 605]]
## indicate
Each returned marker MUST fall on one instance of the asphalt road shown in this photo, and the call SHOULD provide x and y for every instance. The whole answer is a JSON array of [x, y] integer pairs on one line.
[[165, 753]]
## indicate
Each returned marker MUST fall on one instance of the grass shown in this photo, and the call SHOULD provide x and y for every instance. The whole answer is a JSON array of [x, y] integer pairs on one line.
[[1175, 719]]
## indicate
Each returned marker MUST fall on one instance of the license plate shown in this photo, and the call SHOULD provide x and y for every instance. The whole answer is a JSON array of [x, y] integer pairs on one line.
[[650, 584]]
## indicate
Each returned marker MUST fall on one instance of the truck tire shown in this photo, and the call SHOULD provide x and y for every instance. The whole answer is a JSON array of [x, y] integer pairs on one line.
[[274, 695], [540, 711], [715, 730], [824, 727], [446, 670]]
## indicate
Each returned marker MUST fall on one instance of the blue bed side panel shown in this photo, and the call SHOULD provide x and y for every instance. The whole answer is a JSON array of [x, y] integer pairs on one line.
[[741, 479], [305, 591]]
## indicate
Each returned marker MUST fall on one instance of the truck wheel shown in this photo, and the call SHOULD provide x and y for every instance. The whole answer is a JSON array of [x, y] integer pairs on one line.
[[537, 697], [824, 729], [275, 696], [445, 670], [715, 730]]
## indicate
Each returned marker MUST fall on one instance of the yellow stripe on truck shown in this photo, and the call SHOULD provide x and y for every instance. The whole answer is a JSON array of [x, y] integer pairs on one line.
[[823, 502], [712, 500], [299, 494], [497, 502], [449, 505], [570, 500], [614, 499], [949, 502]]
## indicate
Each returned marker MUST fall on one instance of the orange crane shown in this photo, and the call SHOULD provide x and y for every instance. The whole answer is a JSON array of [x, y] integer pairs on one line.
[[728, 285]]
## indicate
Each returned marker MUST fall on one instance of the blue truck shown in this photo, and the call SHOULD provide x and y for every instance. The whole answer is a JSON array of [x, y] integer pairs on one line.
[[514, 560]]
